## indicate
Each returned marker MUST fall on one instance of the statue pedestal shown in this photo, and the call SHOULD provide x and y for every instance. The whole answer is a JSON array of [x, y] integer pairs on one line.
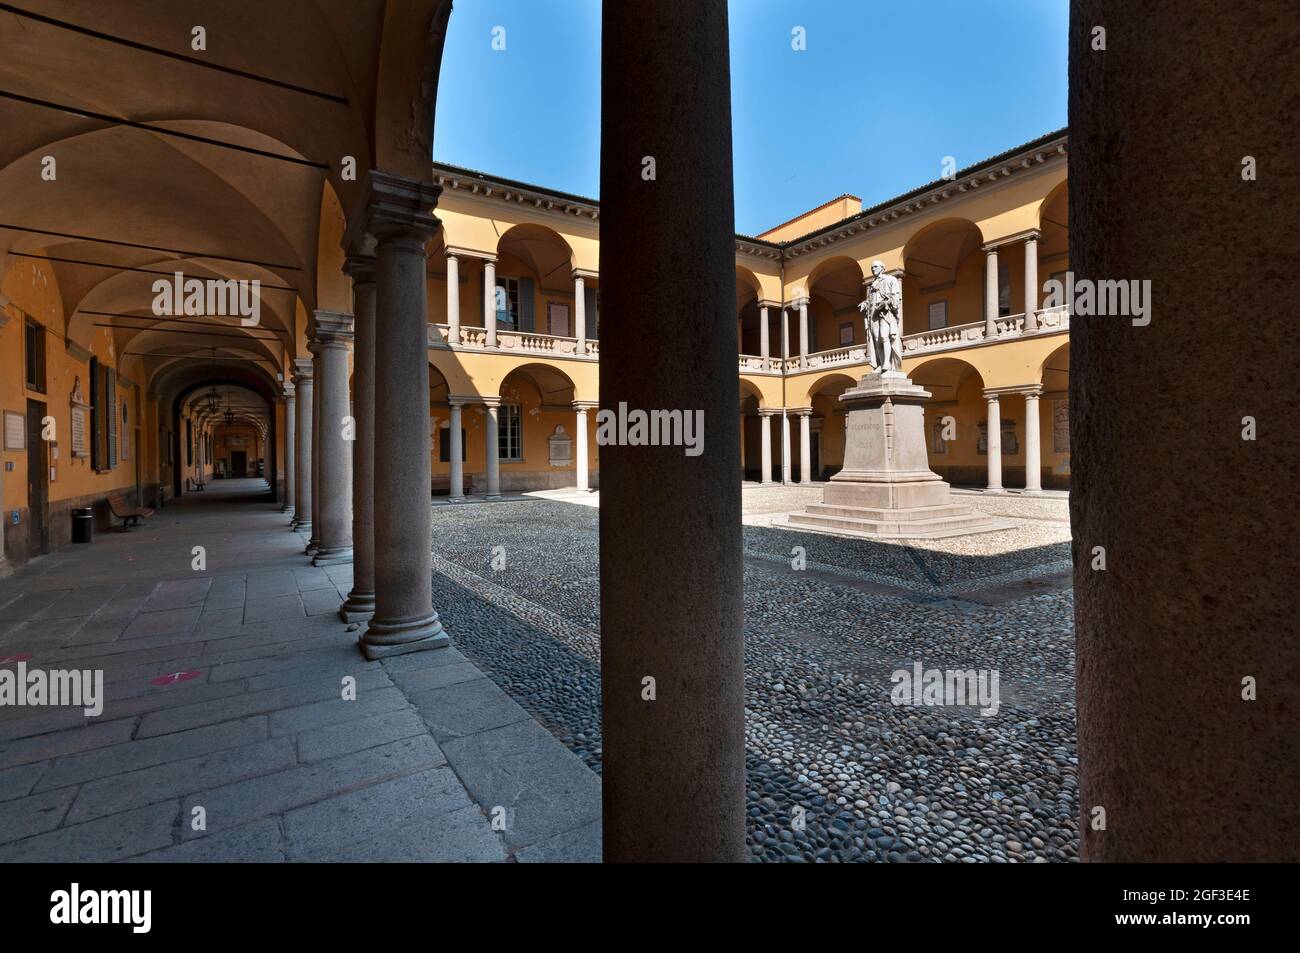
[[886, 488]]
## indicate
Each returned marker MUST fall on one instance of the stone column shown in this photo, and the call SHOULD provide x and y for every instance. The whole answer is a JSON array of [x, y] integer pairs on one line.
[[360, 604], [303, 384], [456, 452], [785, 446], [290, 449], [492, 446], [805, 445], [1033, 451], [396, 211], [490, 300], [764, 348], [332, 333], [674, 766], [990, 292], [765, 433], [803, 326], [994, 441], [579, 313], [313, 541], [1031, 282], [1187, 688], [453, 298], [583, 465]]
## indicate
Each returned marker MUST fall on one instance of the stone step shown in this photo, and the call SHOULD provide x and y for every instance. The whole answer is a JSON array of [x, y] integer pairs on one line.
[[889, 515], [895, 528]]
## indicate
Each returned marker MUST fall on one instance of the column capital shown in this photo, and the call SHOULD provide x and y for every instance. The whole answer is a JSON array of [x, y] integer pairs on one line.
[[584, 273], [586, 404], [454, 251], [329, 329], [800, 411], [762, 303], [1026, 390], [303, 369], [360, 268], [489, 401], [768, 411], [1015, 238], [393, 207], [288, 390]]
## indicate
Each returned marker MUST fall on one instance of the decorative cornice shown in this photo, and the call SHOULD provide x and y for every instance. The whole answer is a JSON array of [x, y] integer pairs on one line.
[[1034, 156], [76, 350]]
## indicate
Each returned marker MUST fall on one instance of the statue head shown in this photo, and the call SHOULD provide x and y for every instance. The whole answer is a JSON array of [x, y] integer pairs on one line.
[[877, 267]]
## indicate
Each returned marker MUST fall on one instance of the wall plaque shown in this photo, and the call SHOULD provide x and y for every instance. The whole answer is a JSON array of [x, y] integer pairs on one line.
[[1061, 425], [15, 431], [80, 420], [561, 448]]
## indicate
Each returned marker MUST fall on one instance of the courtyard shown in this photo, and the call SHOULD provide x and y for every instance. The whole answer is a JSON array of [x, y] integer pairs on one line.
[[222, 692], [872, 780]]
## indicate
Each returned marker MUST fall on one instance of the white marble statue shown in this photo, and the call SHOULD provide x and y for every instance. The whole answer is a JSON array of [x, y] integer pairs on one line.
[[883, 313]]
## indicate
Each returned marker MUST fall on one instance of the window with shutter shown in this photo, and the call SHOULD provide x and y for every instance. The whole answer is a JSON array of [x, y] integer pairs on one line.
[[96, 415], [110, 416], [592, 315], [525, 312]]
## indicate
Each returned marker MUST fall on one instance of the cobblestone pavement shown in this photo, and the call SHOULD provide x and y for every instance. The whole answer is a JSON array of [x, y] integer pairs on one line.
[[836, 771], [225, 692]]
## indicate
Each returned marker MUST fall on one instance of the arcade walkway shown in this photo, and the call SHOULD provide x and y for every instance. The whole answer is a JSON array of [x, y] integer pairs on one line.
[[223, 691]]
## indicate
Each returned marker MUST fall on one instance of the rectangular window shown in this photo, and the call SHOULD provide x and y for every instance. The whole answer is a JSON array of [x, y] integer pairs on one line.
[[34, 352], [510, 433], [846, 334], [444, 445], [938, 314], [507, 303]]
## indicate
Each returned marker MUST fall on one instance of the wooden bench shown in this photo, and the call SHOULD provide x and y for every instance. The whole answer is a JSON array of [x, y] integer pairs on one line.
[[125, 513]]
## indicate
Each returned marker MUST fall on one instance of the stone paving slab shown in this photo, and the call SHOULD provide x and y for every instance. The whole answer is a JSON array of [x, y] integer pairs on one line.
[[515, 767], [261, 737]]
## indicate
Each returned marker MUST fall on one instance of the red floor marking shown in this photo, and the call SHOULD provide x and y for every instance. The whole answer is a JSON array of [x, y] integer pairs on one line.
[[173, 677], [15, 658]]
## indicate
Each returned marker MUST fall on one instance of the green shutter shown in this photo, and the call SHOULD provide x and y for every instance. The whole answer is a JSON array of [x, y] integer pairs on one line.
[[526, 322], [589, 315], [110, 415]]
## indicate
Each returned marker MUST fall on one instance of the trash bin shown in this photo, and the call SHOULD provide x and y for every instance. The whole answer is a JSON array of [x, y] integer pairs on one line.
[[83, 524]]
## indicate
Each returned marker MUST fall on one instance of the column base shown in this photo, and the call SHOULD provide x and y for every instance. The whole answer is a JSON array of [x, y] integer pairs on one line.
[[359, 607], [301, 526], [288, 508], [313, 544], [382, 639], [331, 555], [492, 497]]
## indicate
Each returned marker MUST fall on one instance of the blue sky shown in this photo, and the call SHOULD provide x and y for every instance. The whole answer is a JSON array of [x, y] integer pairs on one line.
[[883, 92]]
